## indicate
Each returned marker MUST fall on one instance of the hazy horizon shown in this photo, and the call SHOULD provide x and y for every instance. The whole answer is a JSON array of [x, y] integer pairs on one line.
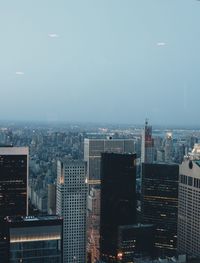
[[100, 61], [86, 125]]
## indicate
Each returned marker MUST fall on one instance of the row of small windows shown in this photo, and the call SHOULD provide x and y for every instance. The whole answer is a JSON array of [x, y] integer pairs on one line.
[[188, 180], [74, 170], [74, 173]]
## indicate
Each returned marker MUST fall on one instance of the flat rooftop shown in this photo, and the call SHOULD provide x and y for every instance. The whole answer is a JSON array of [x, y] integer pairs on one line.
[[13, 219]]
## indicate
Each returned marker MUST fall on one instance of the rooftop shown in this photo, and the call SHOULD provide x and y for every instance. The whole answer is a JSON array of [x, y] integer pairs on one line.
[[32, 218]]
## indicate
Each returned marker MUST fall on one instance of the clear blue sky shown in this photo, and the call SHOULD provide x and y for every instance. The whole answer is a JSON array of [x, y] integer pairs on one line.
[[100, 60]]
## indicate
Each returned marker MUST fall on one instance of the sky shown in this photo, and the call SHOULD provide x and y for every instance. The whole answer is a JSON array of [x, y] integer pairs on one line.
[[114, 61]]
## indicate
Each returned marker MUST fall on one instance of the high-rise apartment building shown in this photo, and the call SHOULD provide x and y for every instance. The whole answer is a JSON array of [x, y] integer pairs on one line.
[[13, 181], [71, 205], [189, 205], [160, 204], [118, 200], [147, 146], [94, 147], [33, 239]]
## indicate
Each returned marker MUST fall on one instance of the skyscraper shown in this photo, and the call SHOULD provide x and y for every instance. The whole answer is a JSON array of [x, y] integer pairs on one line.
[[71, 205], [160, 204], [92, 155], [118, 200], [147, 146], [33, 239], [94, 147], [189, 205], [168, 147], [13, 181]]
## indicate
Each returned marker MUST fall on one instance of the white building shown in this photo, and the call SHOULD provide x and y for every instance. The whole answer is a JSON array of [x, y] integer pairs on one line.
[[195, 154], [189, 205], [71, 205]]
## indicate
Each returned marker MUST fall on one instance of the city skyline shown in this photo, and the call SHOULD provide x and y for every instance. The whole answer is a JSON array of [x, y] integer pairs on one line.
[[126, 192], [99, 60]]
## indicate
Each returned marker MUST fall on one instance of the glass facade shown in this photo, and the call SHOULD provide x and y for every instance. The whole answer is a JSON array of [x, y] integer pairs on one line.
[[33, 239], [13, 185], [48, 251], [36, 242], [118, 199], [136, 241], [160, 204]]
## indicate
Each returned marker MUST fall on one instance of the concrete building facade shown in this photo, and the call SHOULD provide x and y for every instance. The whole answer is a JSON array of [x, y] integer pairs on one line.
[[94, 147], [71, 204], [189, 208]]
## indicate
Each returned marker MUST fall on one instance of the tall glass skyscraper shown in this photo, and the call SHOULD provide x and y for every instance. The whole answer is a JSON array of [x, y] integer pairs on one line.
[[160, 204], [118, 200], [92, 155]]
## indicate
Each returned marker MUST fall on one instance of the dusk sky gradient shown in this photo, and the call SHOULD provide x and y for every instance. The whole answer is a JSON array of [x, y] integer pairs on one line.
[[115, 61]]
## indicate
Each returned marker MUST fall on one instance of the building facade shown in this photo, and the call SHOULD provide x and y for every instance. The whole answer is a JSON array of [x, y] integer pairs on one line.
[[118, 200], [147, 145], [160, 204], [71, 205], [93, 224], [94, 147], [168, 147], [189, 207], [92, 155], [33, 239], [136, 242], [51, 199], [13, 181]]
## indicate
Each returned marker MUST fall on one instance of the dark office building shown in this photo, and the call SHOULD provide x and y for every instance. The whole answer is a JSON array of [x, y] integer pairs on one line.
[[118, 200], [33, 239], [13, 187], [160, 204], [136, 242], [13, 181]]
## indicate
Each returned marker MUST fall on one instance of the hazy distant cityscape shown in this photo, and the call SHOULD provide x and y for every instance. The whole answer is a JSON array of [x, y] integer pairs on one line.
[[159, 148], [49, 142]]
